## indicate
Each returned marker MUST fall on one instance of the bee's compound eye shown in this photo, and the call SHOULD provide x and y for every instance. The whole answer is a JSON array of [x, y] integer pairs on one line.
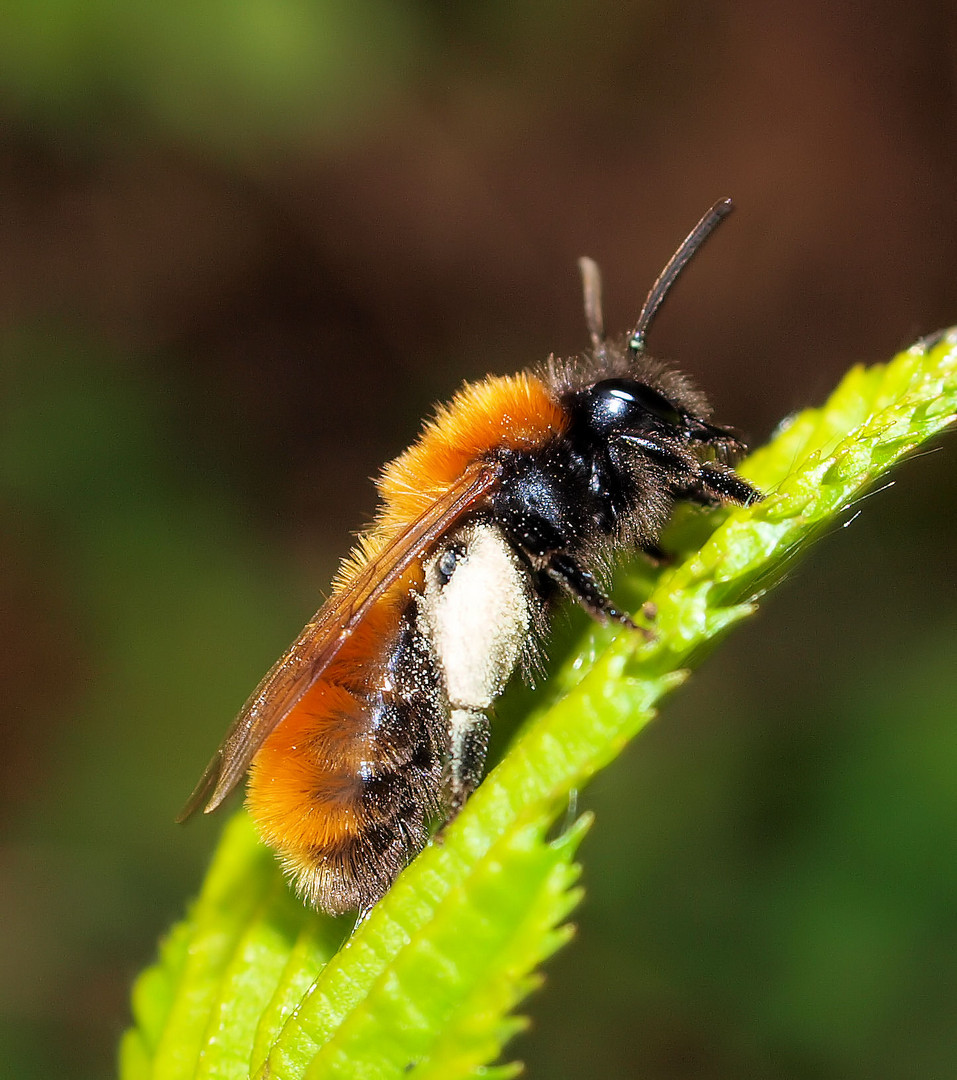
[[617, 404]]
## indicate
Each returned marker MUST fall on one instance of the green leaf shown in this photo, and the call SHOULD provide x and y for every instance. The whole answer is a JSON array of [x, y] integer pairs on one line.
[[426, 986]]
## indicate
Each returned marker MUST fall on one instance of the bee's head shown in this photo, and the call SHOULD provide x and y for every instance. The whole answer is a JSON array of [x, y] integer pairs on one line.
[[624, 408], [633, 412]]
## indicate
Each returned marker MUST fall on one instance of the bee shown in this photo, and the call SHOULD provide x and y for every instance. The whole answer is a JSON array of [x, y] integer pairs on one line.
[[374, 725]]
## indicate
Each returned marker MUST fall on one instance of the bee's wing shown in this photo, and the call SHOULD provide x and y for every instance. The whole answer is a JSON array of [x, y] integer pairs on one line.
[[325, 634]]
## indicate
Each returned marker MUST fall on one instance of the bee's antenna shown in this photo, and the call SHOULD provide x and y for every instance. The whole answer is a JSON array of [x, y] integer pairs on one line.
[[591, 284], [677, 263]]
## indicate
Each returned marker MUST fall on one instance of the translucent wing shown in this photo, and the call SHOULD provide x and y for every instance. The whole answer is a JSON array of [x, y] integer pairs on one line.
[[325, 634]]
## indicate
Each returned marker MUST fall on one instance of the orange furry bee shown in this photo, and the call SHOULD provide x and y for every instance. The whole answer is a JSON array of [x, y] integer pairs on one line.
[[374, 723]]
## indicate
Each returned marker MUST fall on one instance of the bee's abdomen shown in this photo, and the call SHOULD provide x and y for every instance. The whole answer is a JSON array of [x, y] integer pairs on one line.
[[345, 785]]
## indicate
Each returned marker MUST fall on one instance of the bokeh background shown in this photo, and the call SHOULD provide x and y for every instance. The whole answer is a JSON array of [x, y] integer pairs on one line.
[[245, 244]]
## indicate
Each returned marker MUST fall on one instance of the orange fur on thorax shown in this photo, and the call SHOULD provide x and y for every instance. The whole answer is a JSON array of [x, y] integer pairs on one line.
[[513, 412]]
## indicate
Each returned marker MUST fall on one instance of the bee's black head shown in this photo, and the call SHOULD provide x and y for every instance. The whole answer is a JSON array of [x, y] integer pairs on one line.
[[636, 417], [631, 427], [625, 407]]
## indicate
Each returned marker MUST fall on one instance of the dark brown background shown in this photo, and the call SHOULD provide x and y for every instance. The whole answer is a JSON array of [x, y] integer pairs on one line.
[[243, 248]]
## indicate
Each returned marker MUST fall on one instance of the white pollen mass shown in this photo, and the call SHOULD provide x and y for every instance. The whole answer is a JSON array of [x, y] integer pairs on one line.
[[477, 619]]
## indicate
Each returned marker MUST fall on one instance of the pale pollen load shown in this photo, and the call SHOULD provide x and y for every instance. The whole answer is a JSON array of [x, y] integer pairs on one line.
[[373, 727], [476, 612]]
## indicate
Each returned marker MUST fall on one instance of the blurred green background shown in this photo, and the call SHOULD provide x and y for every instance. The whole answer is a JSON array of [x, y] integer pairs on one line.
[[244, 245]]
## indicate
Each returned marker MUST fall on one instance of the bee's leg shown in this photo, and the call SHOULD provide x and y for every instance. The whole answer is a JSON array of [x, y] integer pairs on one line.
[[656, 554], [582, 585], [362, 914], [470, 734], [718, 484]]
